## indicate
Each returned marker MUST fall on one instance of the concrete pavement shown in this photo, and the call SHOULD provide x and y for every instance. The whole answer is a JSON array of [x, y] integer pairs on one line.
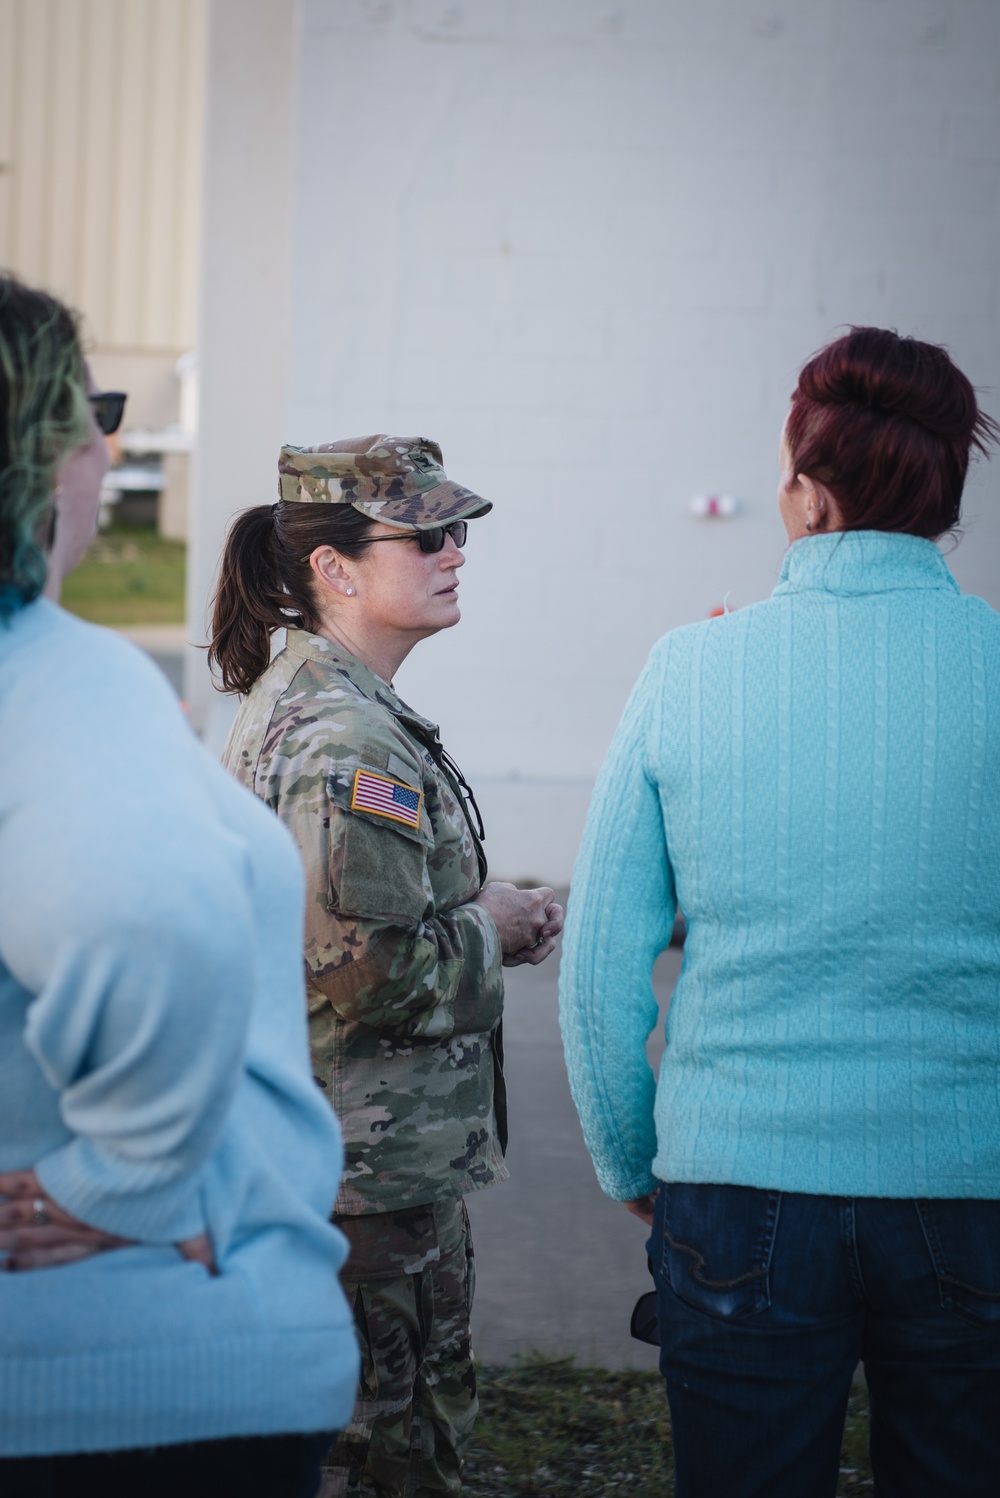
[[558, 1266]]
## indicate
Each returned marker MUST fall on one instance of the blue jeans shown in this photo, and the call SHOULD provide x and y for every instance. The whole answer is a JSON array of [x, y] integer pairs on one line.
[[768, 1299]]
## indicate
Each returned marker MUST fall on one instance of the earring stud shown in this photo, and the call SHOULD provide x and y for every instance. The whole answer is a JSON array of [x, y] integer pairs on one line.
[[349, 592]]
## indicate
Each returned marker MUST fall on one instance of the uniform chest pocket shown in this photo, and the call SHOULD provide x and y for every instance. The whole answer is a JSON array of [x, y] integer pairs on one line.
[[380, 838]]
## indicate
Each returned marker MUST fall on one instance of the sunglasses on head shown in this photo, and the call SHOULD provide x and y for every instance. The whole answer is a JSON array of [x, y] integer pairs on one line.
[[433, 539], [108, 408]]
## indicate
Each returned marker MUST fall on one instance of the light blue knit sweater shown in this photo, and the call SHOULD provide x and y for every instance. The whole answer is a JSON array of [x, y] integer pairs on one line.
[[816, 780], [154, 1070]]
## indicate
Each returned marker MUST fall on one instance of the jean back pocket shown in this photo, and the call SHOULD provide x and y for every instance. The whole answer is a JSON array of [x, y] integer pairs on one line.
[[963, 1236], [717, 1245]]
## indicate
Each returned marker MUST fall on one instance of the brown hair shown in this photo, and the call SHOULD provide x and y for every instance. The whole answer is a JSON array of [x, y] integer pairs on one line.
[[888, 425], [266, 582]]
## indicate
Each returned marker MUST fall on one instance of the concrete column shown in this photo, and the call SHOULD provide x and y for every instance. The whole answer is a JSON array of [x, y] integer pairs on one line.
[[244, 304]]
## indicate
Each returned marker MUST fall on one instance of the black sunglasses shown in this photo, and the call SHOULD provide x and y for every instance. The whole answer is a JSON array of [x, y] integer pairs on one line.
[[108, 408], [433, 539]]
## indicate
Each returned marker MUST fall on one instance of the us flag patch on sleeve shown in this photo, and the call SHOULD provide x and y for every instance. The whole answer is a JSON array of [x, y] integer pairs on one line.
[[386, 798]]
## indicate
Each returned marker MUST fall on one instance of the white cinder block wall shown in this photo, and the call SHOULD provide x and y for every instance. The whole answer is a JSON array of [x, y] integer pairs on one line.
[[585, 244]]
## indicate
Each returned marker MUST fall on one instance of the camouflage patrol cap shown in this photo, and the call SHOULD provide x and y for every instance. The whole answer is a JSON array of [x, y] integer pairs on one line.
[[398, 480]]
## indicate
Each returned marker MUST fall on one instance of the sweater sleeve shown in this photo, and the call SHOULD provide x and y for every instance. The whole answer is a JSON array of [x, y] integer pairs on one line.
[[621, 912], [127, 920]]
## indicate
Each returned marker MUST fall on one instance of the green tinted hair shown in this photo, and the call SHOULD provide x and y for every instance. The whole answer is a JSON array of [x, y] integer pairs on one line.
[[44, 414]]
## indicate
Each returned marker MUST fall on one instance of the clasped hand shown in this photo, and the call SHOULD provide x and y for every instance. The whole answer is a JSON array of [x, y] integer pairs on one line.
[[35, 1232], [527, 921]]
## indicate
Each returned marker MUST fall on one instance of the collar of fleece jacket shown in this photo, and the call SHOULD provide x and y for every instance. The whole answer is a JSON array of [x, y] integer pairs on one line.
[[851, 562]]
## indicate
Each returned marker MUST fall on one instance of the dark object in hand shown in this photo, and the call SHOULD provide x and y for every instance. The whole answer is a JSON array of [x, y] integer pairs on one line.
[[645, 1325]]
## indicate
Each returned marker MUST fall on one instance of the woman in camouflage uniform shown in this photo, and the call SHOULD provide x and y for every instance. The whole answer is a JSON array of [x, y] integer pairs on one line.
[[404, 943]]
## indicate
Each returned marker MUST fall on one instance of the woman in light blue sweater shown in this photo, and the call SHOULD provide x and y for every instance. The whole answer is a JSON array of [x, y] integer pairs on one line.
[[167, 1164], [815, 781]]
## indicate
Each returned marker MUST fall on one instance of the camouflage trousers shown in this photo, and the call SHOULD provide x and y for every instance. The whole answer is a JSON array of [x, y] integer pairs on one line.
[[410, 1278]]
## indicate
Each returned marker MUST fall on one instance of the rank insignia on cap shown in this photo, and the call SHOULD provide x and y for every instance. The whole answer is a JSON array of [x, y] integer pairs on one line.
[[386, 798]]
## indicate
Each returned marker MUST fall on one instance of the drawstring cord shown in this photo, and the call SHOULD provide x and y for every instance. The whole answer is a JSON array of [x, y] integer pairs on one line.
[[467, 798], [467, 791]]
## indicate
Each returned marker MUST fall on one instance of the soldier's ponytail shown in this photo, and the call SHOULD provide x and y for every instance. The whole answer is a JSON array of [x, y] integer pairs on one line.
[[266, 583]]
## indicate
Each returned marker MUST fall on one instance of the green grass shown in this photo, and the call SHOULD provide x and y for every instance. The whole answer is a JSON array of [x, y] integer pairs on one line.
[[553, 1430], [129, 575]]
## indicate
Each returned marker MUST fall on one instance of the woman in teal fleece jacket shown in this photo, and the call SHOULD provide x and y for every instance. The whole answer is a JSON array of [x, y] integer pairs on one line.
[[170, 1322], [814, 780]]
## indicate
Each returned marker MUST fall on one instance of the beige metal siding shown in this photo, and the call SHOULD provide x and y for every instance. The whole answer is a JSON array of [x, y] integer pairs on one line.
[[100, 160]]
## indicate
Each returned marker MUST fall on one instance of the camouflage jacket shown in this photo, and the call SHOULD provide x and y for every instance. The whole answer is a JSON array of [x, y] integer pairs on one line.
[[403, 973]]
